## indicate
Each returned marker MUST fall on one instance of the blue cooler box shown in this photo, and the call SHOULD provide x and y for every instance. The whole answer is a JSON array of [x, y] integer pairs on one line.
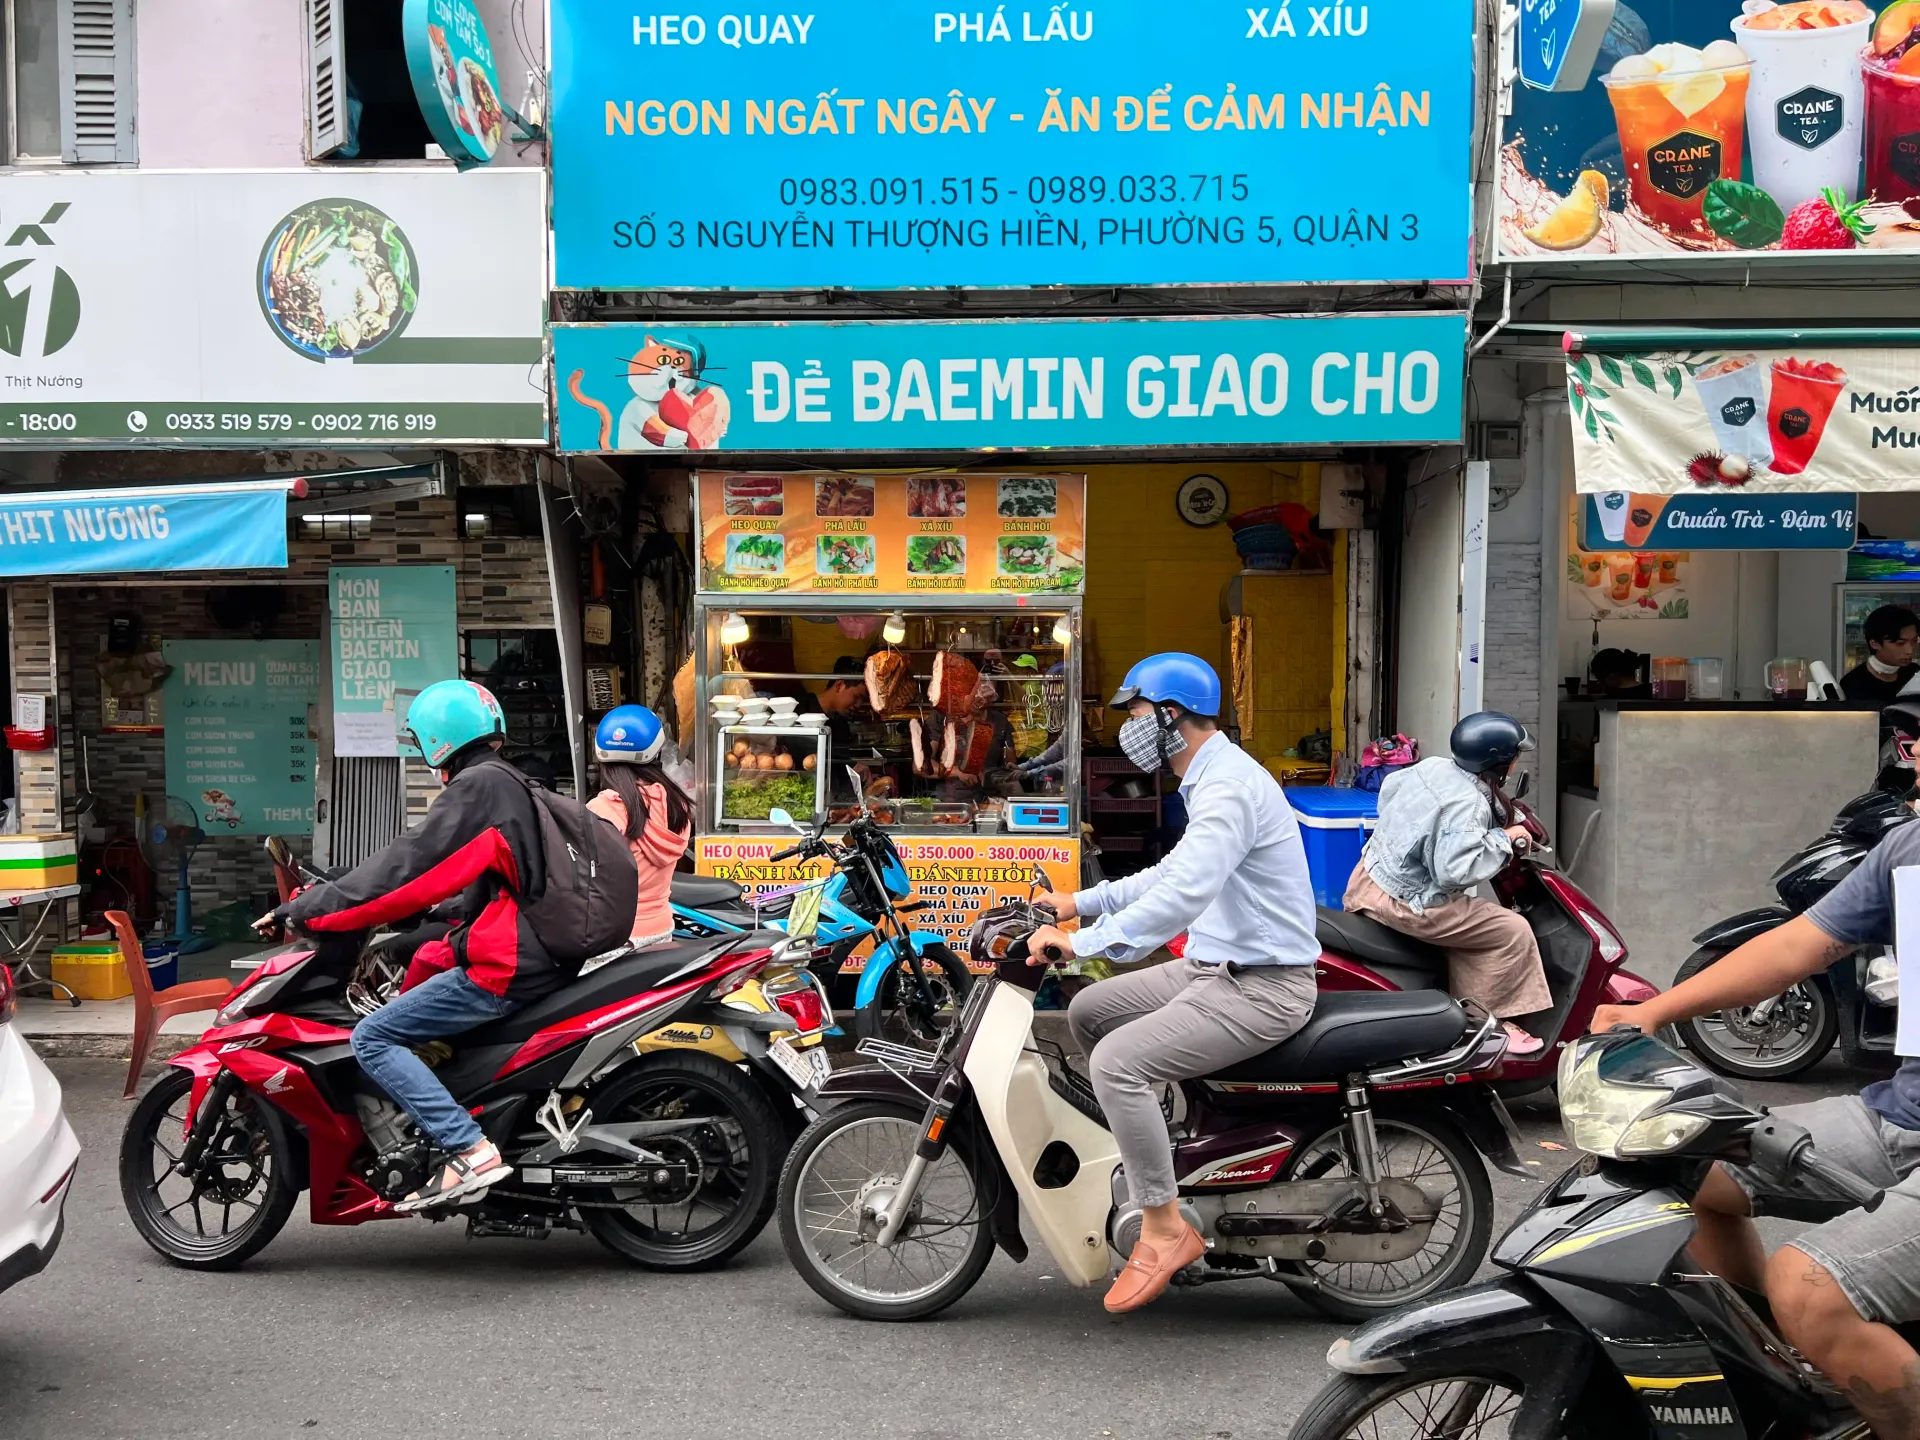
[[1334, 826]]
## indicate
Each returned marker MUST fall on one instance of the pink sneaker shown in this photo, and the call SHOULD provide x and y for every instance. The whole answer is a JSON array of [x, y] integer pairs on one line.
[[1519, 1042]]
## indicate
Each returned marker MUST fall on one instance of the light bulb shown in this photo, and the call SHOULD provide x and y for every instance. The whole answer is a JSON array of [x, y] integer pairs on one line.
[[895, 630], [733, 630], [1063, 630]]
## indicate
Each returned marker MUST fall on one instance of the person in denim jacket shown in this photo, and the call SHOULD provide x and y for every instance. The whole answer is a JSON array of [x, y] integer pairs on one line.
[[1441, 832]]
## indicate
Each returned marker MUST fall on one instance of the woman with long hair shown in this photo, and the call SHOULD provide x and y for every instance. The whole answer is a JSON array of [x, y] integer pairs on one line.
[[647, 806]]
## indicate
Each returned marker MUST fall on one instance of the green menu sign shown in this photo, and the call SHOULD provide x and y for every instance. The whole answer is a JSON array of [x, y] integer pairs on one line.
[[238, 746], [394, 633]]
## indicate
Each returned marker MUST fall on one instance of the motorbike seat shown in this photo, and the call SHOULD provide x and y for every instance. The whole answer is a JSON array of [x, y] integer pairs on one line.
[[1354, 1029], [1346, 933], [701, 892], [611, 983]]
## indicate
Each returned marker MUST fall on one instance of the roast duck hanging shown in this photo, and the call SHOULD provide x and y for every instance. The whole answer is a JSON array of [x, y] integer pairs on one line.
[[955, 742]]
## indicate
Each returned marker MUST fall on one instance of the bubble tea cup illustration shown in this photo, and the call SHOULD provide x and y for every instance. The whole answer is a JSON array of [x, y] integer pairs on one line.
[[1612, 506], [1804, 393], [1734, 391], [1890, 66], [1805, 102], [1681, 114]]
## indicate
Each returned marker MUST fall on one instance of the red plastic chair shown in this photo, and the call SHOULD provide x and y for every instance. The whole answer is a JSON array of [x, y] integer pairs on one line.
[[151, 1008]]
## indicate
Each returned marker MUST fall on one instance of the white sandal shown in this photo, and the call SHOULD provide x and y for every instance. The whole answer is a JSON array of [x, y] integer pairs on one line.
[[458, 1178]]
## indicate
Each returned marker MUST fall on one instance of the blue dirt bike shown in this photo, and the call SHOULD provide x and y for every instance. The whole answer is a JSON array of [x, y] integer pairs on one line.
[[912, 984]]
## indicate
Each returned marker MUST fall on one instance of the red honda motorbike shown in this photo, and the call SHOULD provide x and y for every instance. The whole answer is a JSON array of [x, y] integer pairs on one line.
[[670, 1158], [1582, 952]]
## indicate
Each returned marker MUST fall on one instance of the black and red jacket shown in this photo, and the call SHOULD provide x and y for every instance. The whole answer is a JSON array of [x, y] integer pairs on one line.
[[480, 841]]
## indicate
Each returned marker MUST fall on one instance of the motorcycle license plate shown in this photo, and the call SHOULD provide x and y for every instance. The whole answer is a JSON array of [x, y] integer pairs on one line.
[[806, 1068]]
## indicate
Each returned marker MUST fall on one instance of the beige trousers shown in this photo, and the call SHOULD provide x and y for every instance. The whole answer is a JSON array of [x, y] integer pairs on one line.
[[1492, 958]]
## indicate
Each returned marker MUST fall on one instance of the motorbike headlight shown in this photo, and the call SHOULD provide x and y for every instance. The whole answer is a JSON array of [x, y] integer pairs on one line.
[[240, 1005], [1605, 1117]]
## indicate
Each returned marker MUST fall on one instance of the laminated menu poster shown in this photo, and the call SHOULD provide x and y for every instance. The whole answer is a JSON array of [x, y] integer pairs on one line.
[[394, 632], [1729, 131], [892, 534], [238, 744], [1811, 419]]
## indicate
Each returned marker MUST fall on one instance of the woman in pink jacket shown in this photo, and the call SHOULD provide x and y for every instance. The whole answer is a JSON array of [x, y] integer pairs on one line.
[[648, 807]]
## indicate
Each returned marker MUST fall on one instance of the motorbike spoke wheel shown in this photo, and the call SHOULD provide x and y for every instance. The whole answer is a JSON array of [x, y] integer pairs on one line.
[[726, 1164], [240, 1195], [911, 1010], [1399, 1407], [1432, 1154], [842, 1172], [1796, 1031]]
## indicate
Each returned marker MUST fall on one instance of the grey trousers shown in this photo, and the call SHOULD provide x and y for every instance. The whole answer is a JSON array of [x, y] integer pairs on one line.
[[1177, 1021]]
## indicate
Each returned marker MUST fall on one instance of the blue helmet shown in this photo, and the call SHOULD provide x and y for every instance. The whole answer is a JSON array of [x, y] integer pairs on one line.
[[1174, 678], [448, 716], [629, 735]]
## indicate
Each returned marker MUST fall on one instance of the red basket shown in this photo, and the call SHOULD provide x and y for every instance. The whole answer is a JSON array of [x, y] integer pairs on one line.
[[18, 739]]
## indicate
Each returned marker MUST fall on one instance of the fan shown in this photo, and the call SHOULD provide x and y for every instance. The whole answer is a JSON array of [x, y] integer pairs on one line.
[[169, 834]]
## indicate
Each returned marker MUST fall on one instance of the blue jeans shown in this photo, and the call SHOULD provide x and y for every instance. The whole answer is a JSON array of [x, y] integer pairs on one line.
[[443, 1005]]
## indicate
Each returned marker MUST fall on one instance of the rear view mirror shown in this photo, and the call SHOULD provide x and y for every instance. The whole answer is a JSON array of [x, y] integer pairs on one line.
[[781, 817], [278, 852], [1040, 881], [1524, 784]]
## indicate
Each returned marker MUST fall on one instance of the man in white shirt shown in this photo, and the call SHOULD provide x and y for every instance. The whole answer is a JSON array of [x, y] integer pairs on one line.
[[1237, 883]]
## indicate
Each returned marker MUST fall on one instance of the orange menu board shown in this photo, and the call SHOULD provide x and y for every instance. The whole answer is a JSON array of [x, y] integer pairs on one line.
[[956, 877], [892, 534]]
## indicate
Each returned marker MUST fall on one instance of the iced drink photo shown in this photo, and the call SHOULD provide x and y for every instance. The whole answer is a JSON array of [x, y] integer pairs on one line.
[[1804, 394], [1891, 67], [1612, 506], [1681, 114], [1805, 100], [1644, 564], [1734, 391], [1620, 577], [1592, 568]]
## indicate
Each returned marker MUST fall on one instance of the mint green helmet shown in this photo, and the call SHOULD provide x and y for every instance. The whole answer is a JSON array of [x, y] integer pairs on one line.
[[450, 715]]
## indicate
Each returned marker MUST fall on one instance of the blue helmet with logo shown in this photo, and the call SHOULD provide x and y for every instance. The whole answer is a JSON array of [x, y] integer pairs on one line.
[[629, 735], [448, 716], [1172, 678]]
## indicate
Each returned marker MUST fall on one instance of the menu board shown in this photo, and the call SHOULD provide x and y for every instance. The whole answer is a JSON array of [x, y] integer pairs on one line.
[[394, 632], [892, 534], [238, 747], [956, 877]]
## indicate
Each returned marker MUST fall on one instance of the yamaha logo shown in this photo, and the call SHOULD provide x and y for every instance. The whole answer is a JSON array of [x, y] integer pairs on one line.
[[1692, 1414]]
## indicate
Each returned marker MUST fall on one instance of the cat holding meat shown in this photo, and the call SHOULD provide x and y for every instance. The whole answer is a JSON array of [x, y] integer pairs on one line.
[[672, 407]]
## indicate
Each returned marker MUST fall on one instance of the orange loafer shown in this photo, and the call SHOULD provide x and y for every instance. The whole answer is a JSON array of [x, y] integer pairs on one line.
[[1149, 1270]]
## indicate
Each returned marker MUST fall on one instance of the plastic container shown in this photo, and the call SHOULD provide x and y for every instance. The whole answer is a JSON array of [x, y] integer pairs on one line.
[[163, 965], [1706, 678], [1334, 826], [1669, 677], [92, 972]]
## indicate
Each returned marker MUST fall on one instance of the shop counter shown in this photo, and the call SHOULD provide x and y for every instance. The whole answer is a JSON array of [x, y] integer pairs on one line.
[[1694, 805]]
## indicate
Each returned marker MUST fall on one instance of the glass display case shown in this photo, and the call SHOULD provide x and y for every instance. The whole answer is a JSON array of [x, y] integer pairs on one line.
[[767, 767]]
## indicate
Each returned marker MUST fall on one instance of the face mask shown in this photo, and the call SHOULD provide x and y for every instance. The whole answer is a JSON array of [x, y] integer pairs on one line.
[[1149, 744]]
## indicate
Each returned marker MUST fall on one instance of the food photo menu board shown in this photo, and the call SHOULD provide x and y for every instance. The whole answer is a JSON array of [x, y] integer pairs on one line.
[[892, 534], [1715, 128]]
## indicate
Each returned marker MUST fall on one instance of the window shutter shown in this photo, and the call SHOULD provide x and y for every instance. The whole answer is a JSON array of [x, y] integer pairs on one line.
[[97, 82], [326, 77]]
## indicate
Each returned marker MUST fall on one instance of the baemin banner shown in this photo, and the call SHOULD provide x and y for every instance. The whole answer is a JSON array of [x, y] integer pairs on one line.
[[1759, 422]]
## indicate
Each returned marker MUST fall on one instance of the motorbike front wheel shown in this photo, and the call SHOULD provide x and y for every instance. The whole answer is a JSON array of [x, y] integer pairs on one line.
[[1794, 1035], [242, 1195], [908, 1011], [1410, 1406], [842, 1170], [727, 1148]]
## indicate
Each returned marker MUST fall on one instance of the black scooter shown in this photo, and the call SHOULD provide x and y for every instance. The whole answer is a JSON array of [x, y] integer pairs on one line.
[[1602, 1326]]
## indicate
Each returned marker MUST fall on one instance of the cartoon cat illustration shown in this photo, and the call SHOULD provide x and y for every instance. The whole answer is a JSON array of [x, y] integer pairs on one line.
[[672, 407]]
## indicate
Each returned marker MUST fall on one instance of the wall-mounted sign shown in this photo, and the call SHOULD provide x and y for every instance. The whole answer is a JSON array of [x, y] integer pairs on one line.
[[1201, 500], [1753, 422], [902, 145], [892, 534], [144, 529], [1615, 584], [238, 747], [938, 385], [1559, 39], [393, 632], [320, 308], [450, 60], [1711, 133], [1725, 520]]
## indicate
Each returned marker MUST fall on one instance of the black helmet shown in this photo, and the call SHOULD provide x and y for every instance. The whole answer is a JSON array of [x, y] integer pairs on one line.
[[1487, 741]]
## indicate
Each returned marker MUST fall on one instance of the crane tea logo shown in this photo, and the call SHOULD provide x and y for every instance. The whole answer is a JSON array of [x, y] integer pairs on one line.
[[39, 303]]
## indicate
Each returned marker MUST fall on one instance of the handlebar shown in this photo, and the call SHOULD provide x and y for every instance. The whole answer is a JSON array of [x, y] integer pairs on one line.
[[789, 852], [1790, 1147]]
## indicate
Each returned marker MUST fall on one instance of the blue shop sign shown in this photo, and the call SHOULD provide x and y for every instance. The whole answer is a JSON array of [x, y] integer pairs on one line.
[[156, 528], [1617, 520], [876, 146], [450, 61], [1559, 40], [1024, 384]]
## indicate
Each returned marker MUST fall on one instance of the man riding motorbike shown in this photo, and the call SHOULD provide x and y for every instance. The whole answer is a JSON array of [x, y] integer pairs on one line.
[[1839, 1288], [480, 841], [1237, 883]]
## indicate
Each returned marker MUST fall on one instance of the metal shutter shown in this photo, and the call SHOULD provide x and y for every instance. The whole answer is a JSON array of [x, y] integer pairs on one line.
[[364, 810]]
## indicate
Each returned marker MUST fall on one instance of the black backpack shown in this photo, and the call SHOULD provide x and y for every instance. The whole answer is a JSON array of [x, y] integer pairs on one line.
[[593, 884]]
